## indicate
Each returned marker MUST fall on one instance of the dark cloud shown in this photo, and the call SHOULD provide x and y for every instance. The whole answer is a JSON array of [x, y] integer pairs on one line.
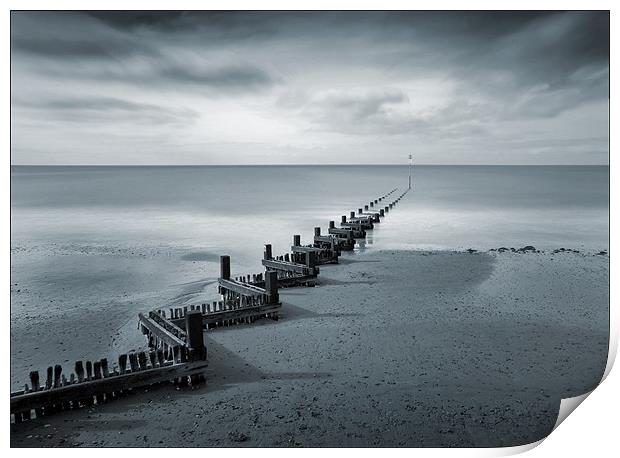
[[442, 77], [135, 19], [238, 76], [72, 46], [71, 36], [88, 109]]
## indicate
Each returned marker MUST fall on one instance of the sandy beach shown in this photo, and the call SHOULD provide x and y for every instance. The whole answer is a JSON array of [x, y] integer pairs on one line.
[[393, 348]]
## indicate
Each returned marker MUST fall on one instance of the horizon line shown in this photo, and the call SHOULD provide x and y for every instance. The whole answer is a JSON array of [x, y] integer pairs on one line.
[[404, 164]]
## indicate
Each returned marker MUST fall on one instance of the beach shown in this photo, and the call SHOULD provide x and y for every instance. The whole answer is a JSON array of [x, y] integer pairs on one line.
[[392, 348], [275, 228]]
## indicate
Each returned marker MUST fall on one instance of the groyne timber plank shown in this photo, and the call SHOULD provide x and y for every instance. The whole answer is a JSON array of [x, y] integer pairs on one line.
[[38, 399], [241, 288], [288, 266], [159, 332]]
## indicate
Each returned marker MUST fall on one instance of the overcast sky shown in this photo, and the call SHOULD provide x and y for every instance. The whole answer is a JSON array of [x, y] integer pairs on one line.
[[331, 87]]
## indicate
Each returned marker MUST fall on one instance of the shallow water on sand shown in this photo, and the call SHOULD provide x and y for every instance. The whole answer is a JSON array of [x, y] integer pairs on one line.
[[102, 243]]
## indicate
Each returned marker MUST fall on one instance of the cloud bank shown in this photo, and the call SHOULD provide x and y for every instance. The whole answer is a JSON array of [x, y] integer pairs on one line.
[[314, 87]]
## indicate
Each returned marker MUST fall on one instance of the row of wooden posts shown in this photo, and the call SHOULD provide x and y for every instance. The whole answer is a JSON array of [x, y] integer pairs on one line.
[[176, 354], [175, 337], [247, 298]]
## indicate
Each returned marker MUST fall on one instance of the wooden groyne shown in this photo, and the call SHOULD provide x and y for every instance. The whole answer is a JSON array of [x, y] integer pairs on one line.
[[316, 255], [290, 273], [178, 357], [176, 350]]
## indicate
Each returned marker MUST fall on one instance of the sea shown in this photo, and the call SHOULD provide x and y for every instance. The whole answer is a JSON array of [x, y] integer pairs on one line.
[[237, 209], [97, 244]]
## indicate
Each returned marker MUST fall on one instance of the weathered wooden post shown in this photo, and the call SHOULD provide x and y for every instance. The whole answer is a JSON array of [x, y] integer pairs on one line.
[[365, 207], [195, 340], [297, 240], [49, 381], [343, 219], [57, 374], [104, 367], [382, 212], [225, 267], [387, 209], [271, 286], [375, 201], [360, 211], [122, 363], [311, 258], [371, 204], [317, 231], [34, 380], [79, 371], [352, 214], [267, 253]]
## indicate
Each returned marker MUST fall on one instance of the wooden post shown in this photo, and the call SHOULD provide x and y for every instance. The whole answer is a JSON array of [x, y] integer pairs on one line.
[[34, 381], [317, 231], [57, 373], [360, 211], [311, 258], [297, 240], [371, 204], [365, 207], [352, 215], [50, 378], [133, 362], [382, 212], [97, 370], [225, 267], [79, 371], [267, 255], [271, 286], [142, 359], [122, 363], [195, 340]]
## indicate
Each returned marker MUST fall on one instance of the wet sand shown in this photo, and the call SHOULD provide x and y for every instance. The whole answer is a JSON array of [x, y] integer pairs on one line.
[[394, 348]]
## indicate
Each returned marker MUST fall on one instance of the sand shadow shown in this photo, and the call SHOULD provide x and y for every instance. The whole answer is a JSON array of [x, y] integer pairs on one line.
[[326, 281], [227, 368], [294, 312]]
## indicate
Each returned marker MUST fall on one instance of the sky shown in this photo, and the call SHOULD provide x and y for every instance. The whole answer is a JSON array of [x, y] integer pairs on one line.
[[309, 87]]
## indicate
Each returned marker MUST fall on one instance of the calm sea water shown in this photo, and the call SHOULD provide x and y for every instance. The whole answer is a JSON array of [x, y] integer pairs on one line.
[[237, 209], [92, 246]]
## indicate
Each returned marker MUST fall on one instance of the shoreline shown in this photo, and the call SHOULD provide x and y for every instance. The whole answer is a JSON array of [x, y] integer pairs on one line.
[[387, 341]]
